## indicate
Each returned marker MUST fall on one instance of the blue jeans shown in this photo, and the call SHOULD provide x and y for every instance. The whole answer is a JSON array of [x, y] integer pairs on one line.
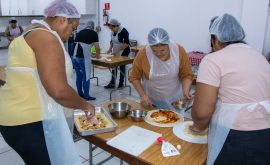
[[245, 147], [78, 64]]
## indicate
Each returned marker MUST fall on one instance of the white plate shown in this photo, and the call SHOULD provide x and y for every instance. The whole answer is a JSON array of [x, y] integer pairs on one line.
[[179, 132], [149, 121]]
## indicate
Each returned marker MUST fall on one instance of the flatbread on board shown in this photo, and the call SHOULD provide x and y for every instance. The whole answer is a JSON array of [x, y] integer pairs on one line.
[[84, 125], [192, 134]]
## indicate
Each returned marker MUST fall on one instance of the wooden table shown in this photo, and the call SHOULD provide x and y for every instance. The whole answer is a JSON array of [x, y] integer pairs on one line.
[[116, 61], [136, 49], [190, 153]]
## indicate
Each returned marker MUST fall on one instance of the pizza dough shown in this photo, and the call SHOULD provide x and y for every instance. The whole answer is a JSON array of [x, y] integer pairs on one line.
[[163, 118], [190, 133], [99, 121]]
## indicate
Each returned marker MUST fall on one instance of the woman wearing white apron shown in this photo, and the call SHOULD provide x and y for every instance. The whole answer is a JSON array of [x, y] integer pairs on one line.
[[38, 73], [81, 59], [233, 98], [165, 71], [119, 46], [13, 30]]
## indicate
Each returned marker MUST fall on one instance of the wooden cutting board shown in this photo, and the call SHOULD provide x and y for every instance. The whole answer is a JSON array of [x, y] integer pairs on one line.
[[134, 140]]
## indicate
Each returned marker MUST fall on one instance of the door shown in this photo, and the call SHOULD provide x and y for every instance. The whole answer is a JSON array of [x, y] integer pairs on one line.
[[5, 7], [23, 7]]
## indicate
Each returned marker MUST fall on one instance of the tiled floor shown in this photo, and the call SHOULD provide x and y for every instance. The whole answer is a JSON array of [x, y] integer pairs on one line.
[[9, 157]]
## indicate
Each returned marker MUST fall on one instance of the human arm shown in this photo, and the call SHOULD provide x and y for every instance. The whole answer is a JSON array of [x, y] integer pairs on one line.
[[7, 33], [124, 46], [51, 68], [97, 54], [145, 99], [140, 67], [21, 29], [110, 49], [203, 106], [185, 72]]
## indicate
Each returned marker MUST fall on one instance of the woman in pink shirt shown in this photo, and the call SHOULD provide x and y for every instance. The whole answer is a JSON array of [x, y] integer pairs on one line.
[[233, 98]]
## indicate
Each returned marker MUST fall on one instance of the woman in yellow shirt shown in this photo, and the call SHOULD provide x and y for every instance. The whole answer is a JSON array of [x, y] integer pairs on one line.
[[32, 121]]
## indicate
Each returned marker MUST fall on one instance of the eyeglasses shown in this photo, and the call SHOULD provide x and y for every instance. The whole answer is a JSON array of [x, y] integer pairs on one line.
[[75, 28]]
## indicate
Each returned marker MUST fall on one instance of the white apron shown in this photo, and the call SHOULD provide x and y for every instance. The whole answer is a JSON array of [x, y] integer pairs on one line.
[[14, 33], [115, 41], [57, 133], [164, 86], [221, 123], [87, 57]]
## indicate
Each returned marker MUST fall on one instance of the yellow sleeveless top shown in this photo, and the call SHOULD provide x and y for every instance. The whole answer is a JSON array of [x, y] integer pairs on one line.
[[19, 98]]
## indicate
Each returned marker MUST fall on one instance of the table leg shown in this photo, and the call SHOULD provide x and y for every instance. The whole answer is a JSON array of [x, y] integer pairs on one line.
[[115, 87], [121, 162], [90, 154], [93, 70]]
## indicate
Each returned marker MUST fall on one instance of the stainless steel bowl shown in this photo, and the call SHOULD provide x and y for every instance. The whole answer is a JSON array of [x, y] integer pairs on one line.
[[180, 104], [119, 109], [137, 115]]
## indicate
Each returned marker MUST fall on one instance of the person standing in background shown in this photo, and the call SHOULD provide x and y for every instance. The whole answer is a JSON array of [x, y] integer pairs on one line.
[[13, 30], [119, 46], [85, 40]]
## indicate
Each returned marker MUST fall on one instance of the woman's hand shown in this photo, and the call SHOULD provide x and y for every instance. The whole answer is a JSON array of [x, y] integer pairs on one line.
[[194, 129], [146, 101], [89, 111], [188, 95], [109, 51]]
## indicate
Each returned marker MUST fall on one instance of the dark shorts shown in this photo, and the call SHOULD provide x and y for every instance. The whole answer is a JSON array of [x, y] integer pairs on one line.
[[245, 148], [28, 141]]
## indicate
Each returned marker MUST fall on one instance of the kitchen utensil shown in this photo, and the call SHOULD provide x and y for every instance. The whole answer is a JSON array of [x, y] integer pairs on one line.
[[91, 132], [134, 140], [119, 109], [137, 115], [179, 132], [182, 103]]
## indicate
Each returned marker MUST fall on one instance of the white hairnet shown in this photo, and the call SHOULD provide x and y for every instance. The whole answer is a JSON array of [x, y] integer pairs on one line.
[[212, 20], [158, 36], [12, 19], [61, 8], [227, 29], [114, 22], [90, 24]]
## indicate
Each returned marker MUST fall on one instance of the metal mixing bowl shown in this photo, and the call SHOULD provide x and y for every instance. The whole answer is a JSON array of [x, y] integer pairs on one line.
[[119, 109], [137, 115]]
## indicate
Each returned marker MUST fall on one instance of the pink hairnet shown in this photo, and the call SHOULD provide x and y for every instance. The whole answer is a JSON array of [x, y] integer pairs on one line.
[[61, 8]]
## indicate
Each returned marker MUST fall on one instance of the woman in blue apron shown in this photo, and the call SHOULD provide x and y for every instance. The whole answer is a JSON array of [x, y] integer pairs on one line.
[[232, 98], [119, 46], [83, 43], [13, 30]]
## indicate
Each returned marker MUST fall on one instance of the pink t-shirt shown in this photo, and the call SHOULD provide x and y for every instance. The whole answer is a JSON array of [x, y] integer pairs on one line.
[[243, 76]]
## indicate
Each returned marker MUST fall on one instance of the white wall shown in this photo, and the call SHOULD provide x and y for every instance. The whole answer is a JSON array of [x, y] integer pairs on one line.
[[266, 48], [187, 22]]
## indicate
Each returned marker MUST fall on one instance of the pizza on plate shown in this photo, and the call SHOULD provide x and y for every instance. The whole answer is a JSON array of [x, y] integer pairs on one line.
[[97, 122], [163, 118]]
